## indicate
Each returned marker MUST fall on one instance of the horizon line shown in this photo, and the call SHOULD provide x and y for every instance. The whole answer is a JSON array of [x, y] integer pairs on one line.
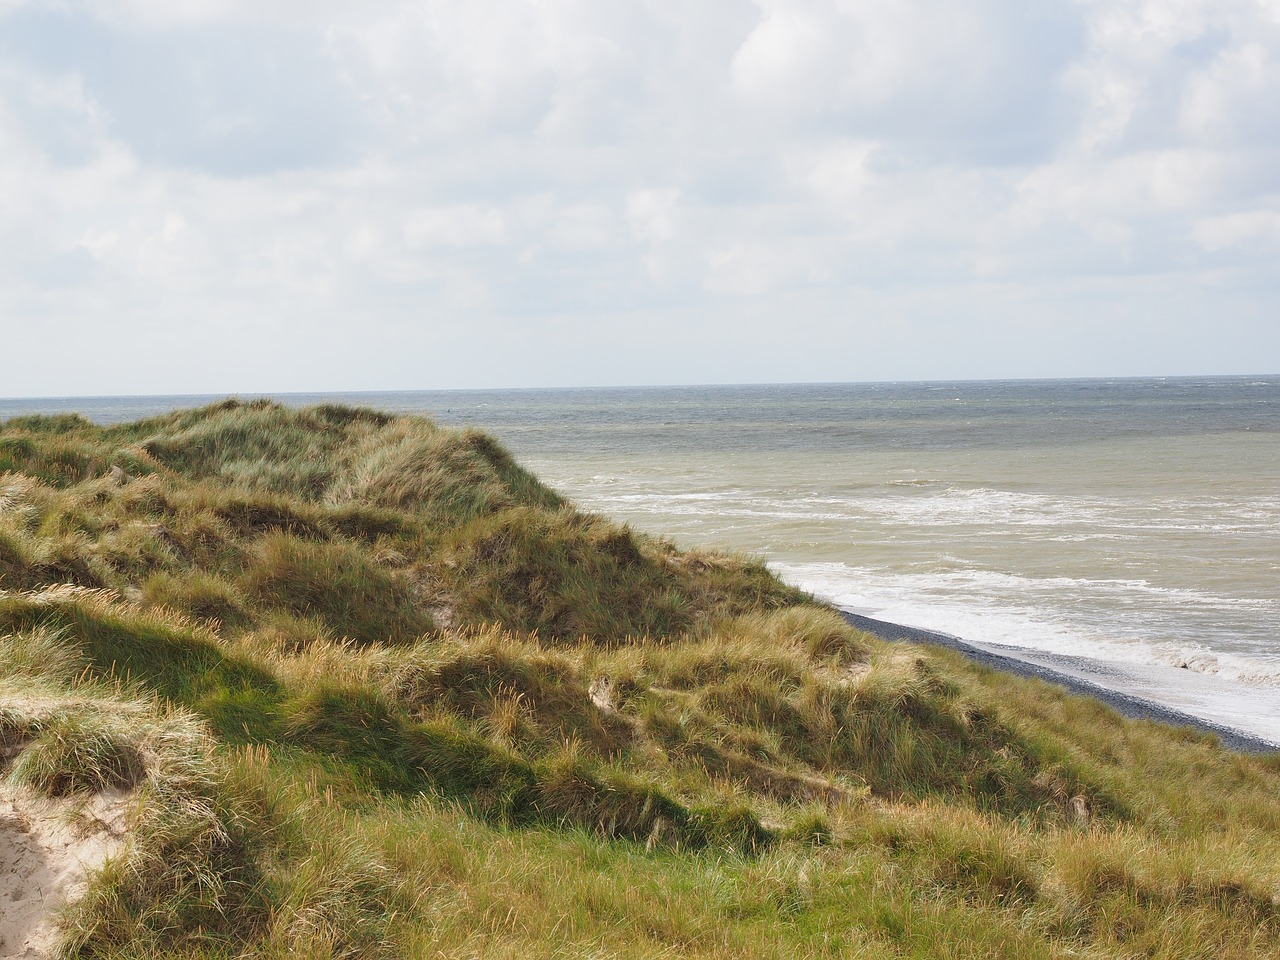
[[254, 394]]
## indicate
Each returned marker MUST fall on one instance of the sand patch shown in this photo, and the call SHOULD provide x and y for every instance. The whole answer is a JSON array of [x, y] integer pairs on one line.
[[601, 694], [47, 850]]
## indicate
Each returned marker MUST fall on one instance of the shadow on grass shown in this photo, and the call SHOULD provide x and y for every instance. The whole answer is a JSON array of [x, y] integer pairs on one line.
[[358, 729], [241, 701]]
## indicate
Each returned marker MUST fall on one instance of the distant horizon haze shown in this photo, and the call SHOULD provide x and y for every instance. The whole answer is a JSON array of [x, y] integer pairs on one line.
[[253, 393]]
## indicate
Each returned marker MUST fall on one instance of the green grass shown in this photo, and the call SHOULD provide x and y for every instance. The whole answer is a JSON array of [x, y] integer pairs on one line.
[[380, 693], [337, 583]]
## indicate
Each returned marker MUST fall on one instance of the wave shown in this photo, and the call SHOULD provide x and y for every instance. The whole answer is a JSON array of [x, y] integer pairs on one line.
[[1054, 615], [980, 507]]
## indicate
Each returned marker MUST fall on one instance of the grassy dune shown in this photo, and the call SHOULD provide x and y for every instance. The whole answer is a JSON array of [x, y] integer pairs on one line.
[[381, 693]]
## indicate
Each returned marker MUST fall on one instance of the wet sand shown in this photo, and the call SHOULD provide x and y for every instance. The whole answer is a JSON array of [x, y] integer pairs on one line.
[[1071, 673]]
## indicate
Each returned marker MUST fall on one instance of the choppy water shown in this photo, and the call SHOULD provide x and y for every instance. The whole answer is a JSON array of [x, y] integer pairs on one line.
[[1134, 521]]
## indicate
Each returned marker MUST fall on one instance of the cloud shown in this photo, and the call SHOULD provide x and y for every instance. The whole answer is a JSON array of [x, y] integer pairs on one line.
[[220, 100], [574, 176], [1239, 229], [976, 81]]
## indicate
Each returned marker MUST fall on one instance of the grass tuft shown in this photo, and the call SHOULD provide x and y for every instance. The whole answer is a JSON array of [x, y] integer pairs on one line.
[[71, 754], [337, 584]]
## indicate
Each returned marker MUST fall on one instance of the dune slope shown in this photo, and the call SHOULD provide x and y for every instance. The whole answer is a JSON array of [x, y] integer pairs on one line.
[[376, 691]]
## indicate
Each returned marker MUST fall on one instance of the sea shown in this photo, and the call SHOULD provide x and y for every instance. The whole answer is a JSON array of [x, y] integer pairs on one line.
[[1125, 531]]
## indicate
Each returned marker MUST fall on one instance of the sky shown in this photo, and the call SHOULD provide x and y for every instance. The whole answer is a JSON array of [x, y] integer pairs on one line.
[[214, 196]]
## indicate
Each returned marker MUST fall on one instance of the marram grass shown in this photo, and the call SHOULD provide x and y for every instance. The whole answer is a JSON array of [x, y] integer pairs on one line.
[[377, 692]]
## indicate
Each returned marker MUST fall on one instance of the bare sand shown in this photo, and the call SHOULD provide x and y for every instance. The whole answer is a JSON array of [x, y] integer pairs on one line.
[[48, 848]]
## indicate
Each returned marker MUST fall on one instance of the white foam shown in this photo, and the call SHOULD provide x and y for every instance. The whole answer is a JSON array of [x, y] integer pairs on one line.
[[997, 608]]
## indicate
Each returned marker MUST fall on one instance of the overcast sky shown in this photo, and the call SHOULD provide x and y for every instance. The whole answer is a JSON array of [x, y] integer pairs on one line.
[[254, 195]]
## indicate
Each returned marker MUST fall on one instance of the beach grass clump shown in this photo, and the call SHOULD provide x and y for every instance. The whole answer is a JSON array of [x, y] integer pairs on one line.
[[247, 515], [78, 752], [53, 456], [561, 574], [253, 446], [566, 575], [30, 560], [200, 595], [38, 653], [192, 877], [157, 649], [337, 584], [823, 635], [618, 805], [375, 691], [520, 691], [451, 477]]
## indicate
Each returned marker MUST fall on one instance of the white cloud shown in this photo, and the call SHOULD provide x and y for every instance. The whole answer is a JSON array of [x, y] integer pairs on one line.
[[1215, 233], [1223, 101], [247, 175], [654, 214], [838, 173], [750, 269], [458, 225]]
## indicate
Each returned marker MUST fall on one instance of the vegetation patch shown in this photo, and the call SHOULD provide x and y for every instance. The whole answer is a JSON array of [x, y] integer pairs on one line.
[[339, 585], [373, 690]]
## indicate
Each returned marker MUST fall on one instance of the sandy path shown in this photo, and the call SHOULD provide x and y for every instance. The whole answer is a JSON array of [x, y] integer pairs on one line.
[[47, 849]]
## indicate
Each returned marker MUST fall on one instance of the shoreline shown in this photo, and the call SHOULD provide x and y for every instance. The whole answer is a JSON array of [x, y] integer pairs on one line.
[[1127, 705]]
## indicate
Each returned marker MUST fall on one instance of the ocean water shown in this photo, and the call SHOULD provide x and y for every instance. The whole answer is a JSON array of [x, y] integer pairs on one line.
[[1130, 522]]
